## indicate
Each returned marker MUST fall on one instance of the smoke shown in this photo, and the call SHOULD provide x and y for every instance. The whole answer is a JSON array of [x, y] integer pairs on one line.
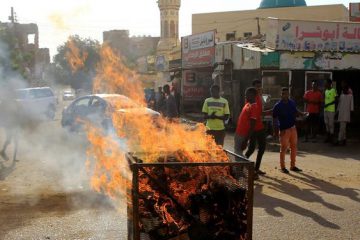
[[49, 160], [63, 21]]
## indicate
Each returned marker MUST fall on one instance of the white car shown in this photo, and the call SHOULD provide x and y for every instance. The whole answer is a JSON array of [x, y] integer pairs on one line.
[[37, 102], [68, 95], [98, 108]]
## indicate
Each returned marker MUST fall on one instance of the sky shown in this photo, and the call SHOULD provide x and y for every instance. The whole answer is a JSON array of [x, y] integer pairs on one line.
[[89, 18]]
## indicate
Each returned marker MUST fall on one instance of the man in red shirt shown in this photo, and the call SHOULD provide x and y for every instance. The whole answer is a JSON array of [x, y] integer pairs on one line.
[[259, 136], [246, 122], [313, 99]]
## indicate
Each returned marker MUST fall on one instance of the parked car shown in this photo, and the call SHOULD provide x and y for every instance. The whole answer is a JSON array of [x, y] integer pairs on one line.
[[68, 95], [37, 102], [98, 108]]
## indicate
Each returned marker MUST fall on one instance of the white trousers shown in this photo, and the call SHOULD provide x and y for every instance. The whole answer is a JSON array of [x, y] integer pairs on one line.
[[342, 131], [329, 118]]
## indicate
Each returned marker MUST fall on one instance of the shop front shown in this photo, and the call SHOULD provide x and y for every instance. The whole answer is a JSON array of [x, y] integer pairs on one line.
[[198, 54]]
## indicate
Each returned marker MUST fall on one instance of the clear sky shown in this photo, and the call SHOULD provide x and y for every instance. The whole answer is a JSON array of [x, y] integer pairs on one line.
[[57, 19]]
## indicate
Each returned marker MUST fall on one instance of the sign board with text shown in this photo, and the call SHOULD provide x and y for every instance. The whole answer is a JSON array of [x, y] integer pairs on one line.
[[293, 35], [198, 50], [354, 12]]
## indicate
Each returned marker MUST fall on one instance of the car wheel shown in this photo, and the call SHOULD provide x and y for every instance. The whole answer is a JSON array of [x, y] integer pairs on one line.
[[50, 113]]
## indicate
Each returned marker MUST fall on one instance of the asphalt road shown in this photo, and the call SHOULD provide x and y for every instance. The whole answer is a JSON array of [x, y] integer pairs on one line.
[[45, 193]]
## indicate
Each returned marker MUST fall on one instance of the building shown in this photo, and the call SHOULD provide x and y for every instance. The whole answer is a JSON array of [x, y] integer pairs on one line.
[[35, 59], [132, 48], [237, 25]]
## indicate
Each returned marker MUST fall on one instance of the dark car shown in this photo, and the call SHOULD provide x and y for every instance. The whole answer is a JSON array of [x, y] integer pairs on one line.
[[97, 109]]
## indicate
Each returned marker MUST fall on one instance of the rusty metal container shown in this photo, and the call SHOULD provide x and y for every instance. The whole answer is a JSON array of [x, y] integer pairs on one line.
[[185, 201]]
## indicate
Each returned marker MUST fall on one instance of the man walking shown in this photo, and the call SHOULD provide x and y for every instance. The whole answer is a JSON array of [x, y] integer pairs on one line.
[[284, 118], [246, 122], [329, 110], [313, 100], [216, 111], [259, 136]]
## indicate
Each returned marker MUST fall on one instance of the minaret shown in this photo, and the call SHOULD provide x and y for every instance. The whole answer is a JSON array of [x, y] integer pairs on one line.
[[169, 22]]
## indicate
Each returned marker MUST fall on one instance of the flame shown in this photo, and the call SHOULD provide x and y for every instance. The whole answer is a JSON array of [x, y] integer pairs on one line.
[[75, 56], [106, 154]]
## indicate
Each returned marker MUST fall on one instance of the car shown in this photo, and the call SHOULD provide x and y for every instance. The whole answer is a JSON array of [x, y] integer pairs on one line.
[[97, 110], [37, 102], [68, 95]]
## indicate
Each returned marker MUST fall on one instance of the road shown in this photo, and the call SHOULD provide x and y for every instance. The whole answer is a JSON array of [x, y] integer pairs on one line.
[[45, 193]]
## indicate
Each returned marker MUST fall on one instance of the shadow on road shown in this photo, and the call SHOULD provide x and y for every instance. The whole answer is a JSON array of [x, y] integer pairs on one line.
[[271, 204], [21, 210]]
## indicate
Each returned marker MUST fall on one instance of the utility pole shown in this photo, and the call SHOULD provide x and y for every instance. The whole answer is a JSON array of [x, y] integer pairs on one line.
[[258, 25], [12, 16]]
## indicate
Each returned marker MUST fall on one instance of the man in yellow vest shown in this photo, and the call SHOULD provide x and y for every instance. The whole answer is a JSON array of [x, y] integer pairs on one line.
[[329, 110]]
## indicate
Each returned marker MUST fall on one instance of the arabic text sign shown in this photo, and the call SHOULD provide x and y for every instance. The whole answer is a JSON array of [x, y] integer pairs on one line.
[[319, 61], [198, 41], [316, 36], [199, 58]]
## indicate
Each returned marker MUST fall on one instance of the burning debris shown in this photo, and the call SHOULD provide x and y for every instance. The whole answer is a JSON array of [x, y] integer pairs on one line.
[[192, 200]]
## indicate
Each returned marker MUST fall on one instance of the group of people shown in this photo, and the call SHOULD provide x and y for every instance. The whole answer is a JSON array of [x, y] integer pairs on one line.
[[165, 102], [250, 131], [325, 102]]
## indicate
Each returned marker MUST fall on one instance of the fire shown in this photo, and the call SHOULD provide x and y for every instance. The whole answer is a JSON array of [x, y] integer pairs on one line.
[[75, 56], [139, 131]]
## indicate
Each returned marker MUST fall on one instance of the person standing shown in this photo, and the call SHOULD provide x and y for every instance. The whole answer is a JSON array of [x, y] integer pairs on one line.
[[259, 135], [284, 118], [345, 107], [329, 110], [170, 104], [313, 100], [246, 122], [216, 111], [159, 100]]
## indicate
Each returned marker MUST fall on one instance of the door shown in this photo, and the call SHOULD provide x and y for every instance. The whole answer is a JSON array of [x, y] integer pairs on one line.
[[320, 77]]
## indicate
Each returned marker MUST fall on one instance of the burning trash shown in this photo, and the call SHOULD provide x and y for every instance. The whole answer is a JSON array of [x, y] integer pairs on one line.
[[182, 200]]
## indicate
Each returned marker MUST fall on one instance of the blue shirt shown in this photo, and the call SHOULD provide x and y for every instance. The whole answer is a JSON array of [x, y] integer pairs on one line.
[[285, 113]]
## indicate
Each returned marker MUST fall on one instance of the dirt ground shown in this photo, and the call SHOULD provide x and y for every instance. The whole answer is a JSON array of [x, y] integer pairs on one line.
[[45, 193]]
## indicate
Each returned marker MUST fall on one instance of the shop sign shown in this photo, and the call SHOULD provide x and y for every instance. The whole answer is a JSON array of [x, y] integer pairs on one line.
[[354, 12], [195, 85], [296, 35], [319, 61], [198, 50]]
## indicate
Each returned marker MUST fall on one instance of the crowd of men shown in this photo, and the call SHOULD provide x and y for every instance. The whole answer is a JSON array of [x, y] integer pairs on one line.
[[250, 131]]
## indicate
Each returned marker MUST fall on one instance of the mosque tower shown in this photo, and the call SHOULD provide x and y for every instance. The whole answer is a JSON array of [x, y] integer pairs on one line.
[[169, 40]]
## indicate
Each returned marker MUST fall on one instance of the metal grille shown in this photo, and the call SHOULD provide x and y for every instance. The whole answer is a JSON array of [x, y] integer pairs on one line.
[[181, 200]]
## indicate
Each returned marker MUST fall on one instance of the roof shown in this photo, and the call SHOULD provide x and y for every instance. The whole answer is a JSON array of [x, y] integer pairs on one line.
[[281, 3]]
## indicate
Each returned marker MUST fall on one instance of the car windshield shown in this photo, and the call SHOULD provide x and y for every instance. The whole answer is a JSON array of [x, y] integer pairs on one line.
[[40, 93], [121, 102]]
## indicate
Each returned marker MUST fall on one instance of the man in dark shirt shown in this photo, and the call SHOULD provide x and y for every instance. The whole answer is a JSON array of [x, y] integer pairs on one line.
[[170, 104], [284, 114]]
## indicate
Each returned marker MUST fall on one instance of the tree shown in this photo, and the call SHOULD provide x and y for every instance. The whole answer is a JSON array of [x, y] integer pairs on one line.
[[12, 58], [76, 61]]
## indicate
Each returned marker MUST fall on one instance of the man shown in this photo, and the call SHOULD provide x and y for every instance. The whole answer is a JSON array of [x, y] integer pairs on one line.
[[159, 100], [216, 111], [329, 110], [170, 104], [345, 107], [259, 135], [313, 100], [246, 122], [284, 117]]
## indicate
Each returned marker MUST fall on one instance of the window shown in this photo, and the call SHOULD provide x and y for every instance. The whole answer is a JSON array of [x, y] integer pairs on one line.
[[84, 102], [247, 34], [230, 36]]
